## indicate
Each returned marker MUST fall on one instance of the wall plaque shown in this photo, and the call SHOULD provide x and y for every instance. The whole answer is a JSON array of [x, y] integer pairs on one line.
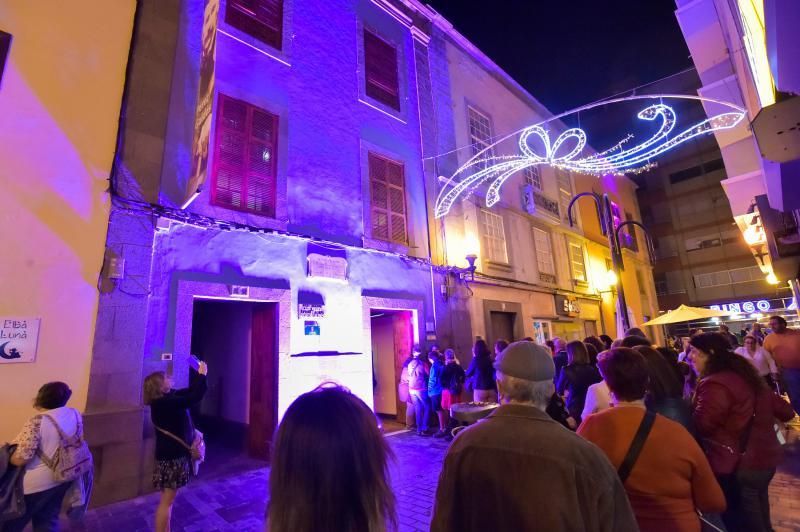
[[19, 339]]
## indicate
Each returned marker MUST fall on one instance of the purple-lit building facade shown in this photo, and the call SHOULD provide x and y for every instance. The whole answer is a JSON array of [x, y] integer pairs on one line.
[[272, 213], [304, 257]]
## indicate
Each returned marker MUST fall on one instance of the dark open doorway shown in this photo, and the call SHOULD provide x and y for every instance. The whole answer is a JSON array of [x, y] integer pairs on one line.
[[238, 340], [392, 340]]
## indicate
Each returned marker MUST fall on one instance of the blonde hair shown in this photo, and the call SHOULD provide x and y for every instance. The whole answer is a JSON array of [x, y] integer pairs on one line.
[[154, 386]]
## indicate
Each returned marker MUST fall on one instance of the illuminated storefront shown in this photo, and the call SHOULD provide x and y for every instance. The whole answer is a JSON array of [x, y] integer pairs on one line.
[[743, 314]]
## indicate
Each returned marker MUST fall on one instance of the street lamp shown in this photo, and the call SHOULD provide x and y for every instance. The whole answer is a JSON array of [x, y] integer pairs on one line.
[[468, 274], [606, 218]]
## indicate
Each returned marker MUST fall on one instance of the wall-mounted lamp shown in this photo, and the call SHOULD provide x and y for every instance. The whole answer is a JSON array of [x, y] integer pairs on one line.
[[468, 274], [772, 278], [607, 282]]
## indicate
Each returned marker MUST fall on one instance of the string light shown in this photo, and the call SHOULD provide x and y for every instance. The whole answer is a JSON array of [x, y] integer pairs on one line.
[[616, 160]]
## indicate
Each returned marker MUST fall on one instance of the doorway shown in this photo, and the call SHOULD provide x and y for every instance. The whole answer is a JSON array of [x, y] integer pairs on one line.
[[392, 340], [238, 340], [502, 326]]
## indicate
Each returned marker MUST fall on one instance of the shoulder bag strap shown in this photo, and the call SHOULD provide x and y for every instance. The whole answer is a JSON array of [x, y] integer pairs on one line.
[[637, 445], [171, 435], [57, 426]]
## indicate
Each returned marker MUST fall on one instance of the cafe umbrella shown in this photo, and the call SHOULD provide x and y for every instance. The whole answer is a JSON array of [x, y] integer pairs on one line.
[[687, 313]]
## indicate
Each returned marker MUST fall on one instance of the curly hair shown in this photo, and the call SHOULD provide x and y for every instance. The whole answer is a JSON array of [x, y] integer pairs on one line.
[[722, 358]]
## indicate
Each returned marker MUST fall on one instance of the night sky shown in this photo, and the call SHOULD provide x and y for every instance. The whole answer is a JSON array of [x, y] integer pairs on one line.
[[571, 52]]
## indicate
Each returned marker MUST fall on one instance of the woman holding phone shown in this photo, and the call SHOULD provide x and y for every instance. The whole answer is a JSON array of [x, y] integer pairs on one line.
[[175, 434]]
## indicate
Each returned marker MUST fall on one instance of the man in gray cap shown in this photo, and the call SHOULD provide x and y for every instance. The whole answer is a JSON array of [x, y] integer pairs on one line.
[[520, 470]]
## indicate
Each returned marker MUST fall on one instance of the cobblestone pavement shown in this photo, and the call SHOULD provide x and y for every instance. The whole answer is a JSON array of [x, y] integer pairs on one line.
[[236, 501]]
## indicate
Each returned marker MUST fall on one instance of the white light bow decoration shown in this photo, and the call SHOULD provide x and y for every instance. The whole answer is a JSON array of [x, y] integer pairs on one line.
[[485, 165]]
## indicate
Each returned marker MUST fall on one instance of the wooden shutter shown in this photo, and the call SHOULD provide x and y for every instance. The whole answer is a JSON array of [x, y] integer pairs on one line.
[[380, 65], [262, 19], [387, 200], [244, 161]]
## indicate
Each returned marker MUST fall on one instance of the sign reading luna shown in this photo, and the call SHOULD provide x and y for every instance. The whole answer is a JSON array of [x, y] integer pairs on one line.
[[19, 338]]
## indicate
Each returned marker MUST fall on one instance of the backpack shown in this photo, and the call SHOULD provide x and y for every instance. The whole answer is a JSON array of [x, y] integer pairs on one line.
[[72, 459]]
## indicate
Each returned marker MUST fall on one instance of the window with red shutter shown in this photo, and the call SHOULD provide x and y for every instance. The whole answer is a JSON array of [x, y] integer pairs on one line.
[[262, 19], [244, 174], [387, 200], [380, 67]]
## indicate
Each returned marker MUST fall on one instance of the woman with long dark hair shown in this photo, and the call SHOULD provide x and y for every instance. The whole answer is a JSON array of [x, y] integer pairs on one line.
[[330, 467], [734, 413], [576, 377], [481, 374], [665, 391]]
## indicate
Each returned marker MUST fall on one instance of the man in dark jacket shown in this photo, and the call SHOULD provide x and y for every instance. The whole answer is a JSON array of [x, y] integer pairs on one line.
[[726, 332], [559, 357], [519, 470]]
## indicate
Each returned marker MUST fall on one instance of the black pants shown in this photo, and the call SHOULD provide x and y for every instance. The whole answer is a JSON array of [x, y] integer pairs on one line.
[[754, 492], [747, 496], [42, 508]]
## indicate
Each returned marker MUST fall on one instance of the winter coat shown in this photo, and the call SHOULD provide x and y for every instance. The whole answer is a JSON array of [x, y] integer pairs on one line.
[[481, 372], [724, 406], [453, 377], [435, 379]]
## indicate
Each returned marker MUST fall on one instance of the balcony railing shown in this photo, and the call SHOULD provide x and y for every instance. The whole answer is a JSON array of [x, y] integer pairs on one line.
[[534, 201], [547, 278], [546, 204]]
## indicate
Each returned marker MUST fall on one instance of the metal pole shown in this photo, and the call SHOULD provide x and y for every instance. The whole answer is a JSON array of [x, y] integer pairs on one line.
[[616, 261]]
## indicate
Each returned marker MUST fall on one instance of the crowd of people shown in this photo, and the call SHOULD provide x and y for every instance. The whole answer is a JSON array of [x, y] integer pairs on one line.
[[599, 434]]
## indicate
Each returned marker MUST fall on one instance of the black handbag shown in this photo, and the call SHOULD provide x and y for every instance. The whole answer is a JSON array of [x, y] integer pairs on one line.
[[12, 498]]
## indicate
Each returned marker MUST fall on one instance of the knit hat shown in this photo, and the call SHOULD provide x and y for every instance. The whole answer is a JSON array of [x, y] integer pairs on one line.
[[526, 360]]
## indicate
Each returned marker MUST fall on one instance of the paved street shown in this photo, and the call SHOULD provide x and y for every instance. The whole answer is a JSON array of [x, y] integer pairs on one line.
[[237, 501]]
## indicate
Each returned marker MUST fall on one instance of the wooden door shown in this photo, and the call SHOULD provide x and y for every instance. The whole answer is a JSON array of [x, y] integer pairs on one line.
[[263, 380], [502, 327], [403, 342]]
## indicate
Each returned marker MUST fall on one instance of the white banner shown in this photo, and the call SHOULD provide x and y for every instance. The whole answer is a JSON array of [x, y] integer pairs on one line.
[[19, 338]]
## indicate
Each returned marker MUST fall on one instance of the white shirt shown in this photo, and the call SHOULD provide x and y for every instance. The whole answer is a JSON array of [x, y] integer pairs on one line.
[[39, 433], [761, 359], [598, 398]]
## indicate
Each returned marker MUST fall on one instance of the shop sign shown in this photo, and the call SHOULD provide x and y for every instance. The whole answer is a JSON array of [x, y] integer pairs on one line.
[[19, 339], [761, 305], [326, 262], [312, 328], [567, 306], [310, 305]]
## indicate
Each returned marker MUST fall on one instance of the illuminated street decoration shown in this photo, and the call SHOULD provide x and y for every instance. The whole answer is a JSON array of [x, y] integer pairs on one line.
[[618, 159]]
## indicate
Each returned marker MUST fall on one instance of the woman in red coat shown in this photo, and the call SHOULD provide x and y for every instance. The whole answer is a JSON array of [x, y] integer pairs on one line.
[[734, 415]]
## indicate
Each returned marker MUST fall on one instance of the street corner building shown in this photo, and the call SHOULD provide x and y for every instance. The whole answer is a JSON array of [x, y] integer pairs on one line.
[[254, 183]]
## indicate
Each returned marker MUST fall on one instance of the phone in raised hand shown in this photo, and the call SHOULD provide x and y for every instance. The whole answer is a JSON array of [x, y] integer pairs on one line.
[[194, 362]]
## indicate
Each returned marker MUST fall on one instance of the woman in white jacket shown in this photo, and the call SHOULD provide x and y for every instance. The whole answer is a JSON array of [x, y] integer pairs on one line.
[[760, 358], [40, 437]]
